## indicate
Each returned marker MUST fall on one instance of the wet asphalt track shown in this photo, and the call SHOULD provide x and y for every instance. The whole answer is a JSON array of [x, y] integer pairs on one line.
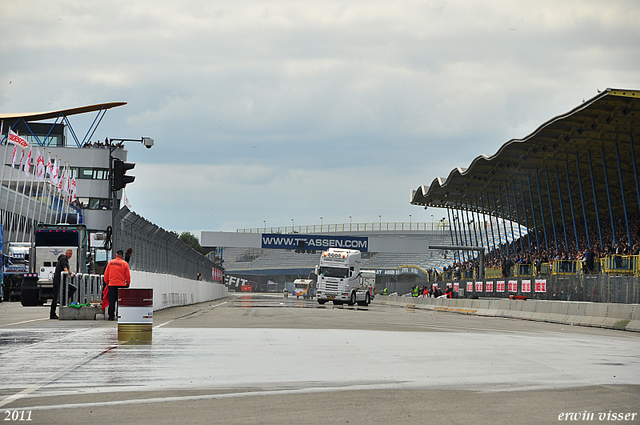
[[267, 359]]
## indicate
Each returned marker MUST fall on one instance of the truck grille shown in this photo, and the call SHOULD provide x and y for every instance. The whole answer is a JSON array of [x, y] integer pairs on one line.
[[331, 287]]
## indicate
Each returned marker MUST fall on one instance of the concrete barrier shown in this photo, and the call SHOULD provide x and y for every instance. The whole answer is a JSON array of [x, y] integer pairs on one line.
[[543, 310], [559, 312], [618, 316], [173, 291], [610, 316], [528, 310], [634, 324], [576, 313], [595, 315]]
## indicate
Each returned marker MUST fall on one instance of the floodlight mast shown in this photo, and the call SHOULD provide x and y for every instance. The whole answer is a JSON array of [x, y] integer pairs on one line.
[[479, 249]]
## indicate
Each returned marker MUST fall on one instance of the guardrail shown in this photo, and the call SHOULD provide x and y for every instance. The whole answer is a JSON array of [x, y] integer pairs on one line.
[[80, 288]]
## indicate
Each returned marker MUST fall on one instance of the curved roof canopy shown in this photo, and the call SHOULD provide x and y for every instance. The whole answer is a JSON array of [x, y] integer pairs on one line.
[[576, 165], [39, 116]]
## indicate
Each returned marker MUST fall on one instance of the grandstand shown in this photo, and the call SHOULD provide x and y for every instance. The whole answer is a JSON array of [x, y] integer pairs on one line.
[[274, 263], [562, 204]]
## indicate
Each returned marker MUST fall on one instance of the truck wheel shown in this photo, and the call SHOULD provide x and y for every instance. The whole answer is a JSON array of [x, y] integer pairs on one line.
[[336, 302], [29, 297], [365, 302], [352, 299], [321, 302]]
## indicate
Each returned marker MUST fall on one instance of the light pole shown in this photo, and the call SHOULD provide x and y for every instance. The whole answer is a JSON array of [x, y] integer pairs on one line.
[[349, 223], [148, 143], [293, 225], [265, 225]]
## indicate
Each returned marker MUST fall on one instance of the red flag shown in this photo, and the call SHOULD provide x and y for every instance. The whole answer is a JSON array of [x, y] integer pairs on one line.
[[105, 297]]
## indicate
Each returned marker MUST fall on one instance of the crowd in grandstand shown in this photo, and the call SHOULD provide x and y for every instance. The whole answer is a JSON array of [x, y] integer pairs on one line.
[[525, 250], [104, 144]]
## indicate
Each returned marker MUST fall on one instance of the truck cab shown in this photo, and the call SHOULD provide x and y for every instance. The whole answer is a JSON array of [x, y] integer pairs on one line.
[[340, 279], [51, 240]]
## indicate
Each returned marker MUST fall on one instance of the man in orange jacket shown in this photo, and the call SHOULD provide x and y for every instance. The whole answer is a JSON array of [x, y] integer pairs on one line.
[[116, 275]]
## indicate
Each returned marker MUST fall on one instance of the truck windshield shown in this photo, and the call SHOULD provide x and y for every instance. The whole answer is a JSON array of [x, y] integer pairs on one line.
[[340, 272]]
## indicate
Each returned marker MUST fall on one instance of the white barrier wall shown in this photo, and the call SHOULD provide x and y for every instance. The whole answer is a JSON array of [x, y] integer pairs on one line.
[[578, 313], [172, 291]]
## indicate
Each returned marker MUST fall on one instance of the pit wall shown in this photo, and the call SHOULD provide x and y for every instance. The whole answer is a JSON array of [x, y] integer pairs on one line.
[[172, 291], [600, 315]]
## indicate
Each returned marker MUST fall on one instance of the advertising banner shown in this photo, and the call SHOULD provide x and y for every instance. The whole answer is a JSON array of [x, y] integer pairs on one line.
[[541, 285], [314, 242]]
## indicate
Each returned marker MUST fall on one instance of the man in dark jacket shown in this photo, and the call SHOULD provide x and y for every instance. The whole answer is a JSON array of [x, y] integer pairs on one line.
[[62, 265]]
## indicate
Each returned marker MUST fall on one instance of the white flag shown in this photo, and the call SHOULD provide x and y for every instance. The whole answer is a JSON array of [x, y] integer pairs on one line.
[[17, 140], [40, 167], [27, 163], [13, 160], [73, 189]]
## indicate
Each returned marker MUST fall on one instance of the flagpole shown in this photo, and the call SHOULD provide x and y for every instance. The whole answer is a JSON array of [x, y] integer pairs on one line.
[[15, 201], [26, 227], [49, 203], [24, 194], [4, 166], [40, 183], [65, 189]]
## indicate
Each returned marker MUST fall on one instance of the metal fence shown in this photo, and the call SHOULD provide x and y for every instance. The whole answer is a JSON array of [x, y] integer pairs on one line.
[[590, 287], [157, 251]]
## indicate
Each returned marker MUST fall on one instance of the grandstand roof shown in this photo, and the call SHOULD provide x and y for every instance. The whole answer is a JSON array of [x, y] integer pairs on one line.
[[590, 143], [39, 116]]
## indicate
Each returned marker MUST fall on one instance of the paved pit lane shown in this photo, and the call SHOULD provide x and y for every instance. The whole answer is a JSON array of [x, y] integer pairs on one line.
[[268, 359]]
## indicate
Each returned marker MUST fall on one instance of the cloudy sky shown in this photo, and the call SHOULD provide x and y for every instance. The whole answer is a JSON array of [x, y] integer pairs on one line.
[[272, 110]]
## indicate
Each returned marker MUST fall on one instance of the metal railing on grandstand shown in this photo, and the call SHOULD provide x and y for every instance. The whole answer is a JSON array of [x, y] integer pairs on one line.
[[157, 251], [353, 227]]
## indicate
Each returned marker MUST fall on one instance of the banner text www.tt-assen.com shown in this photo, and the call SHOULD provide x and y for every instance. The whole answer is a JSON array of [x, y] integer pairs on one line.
[[314, 242]]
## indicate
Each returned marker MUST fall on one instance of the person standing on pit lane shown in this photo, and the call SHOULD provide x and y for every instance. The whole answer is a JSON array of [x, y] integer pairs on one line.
[[116, 275], [62, 265]]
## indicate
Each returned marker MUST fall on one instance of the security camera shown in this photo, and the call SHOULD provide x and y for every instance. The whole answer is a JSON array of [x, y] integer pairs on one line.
[[148, 142]]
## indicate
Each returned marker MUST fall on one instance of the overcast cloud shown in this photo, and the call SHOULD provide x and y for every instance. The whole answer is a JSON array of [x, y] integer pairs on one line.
[[272, 110]]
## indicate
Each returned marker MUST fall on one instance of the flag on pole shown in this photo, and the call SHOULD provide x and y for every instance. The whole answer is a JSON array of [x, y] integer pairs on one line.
[[56, 173], [21, 162], [125, 199], [40, 167], [49, 167], [73, 189], [17, 140], [13, 160], [27, 163]]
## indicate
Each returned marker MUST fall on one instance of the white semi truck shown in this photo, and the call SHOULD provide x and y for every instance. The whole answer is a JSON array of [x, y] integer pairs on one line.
[[340, 279]]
